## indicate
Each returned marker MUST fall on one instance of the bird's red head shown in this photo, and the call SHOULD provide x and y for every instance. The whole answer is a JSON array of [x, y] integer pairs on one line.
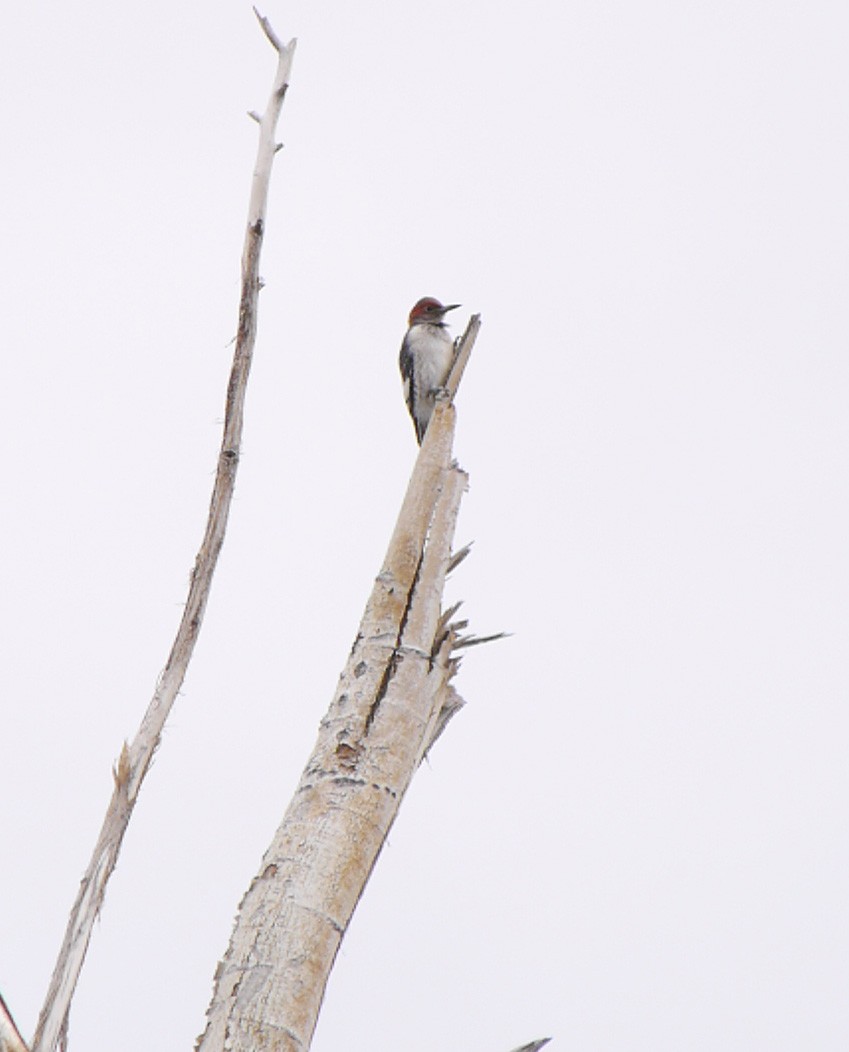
[[429, 310]]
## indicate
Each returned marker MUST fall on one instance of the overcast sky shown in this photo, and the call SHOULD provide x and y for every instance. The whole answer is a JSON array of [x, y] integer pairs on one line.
[[634, 836]]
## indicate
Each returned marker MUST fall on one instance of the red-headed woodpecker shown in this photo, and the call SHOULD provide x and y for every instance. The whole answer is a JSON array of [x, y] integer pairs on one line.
[[427, 354]]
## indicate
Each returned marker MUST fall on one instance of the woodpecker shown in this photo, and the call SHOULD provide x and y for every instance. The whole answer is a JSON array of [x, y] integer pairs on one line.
[[427, 354]]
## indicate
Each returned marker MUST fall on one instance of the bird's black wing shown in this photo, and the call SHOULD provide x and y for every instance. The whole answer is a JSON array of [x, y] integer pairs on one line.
[[405, 363]]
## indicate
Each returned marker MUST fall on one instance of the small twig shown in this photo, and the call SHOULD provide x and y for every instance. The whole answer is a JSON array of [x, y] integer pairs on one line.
[[269, 32], [459, 556], [448, 614], [473, 641]]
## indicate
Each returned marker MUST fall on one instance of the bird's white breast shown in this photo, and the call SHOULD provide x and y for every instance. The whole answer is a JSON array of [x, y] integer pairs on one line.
[[433, 351]]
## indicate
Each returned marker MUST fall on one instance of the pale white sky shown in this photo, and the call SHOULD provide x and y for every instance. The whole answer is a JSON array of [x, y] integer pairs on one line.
[[634, 837]]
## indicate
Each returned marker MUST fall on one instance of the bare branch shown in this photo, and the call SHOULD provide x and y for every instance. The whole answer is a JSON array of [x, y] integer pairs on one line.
[[135, 759], [461, 358], [10, 1037]]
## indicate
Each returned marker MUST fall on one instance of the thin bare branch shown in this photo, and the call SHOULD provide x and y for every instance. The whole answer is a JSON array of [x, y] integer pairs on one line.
[[10, 1037], [135, 758]]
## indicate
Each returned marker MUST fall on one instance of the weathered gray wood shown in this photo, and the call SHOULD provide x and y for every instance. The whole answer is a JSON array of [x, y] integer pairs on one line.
[[10, 1038], [135, 758], [384, 715]]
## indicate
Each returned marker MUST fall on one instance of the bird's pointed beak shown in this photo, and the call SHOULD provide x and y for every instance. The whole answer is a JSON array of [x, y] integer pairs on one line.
[[453, 306]]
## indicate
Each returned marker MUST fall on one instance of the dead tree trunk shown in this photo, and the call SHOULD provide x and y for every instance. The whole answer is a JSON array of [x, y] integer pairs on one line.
[[392, 701]]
